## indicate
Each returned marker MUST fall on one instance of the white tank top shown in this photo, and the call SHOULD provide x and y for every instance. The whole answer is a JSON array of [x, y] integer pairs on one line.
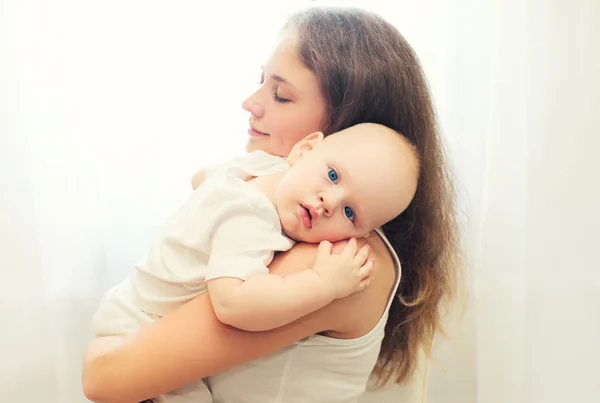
[[316, 369]]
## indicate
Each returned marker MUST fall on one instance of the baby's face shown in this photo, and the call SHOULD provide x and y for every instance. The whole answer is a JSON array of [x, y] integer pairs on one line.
[[346, 186]]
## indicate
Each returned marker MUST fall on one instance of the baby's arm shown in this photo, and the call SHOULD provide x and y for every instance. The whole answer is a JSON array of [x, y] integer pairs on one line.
[[268, 301]]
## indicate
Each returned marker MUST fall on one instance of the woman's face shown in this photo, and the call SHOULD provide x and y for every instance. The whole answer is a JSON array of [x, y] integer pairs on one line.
[[288, 106]]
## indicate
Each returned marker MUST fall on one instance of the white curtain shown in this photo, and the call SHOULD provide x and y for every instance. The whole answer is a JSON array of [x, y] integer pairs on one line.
[[106, 108]]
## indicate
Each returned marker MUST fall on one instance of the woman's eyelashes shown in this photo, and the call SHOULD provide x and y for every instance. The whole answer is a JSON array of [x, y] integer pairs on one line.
[[334, 178], [279, 99], [276, 96]]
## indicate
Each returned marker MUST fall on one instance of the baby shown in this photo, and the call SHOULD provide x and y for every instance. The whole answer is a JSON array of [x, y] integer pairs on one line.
[[221, 240]]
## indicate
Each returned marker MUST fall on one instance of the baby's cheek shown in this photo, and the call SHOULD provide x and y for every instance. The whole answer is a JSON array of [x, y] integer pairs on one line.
[[335, 233]]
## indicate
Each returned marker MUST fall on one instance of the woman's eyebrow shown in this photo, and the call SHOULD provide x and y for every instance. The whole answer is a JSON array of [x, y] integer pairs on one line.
[[282, 80], [278, 78]]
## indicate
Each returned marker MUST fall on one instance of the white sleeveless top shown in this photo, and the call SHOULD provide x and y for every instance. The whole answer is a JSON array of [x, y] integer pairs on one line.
[[316, 369]]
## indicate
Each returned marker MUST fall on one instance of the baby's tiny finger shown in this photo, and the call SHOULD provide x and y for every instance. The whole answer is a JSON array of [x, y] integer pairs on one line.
[[325, 248], [367, 268], [365, 283], [350, 248], [362, 255]]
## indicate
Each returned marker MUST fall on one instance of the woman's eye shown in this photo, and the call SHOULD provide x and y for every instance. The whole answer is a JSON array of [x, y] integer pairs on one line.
[[279, 99], [333, 176], [349, 213]]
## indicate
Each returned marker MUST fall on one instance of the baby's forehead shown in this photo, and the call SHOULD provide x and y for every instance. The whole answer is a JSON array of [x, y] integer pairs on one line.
[[376, 152], [359, 144], [368, 166], [374, 186], [364, 135]]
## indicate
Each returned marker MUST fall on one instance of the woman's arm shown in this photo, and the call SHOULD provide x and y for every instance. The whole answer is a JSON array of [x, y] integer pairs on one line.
[[187, 345], [190, 343], [181, 348]]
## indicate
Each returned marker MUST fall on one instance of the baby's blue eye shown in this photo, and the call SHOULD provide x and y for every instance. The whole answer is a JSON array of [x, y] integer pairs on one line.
[[349, 212], [333, 176]]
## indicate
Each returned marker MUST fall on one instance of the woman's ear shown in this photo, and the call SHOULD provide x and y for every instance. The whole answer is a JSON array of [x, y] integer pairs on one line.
[[303, 146]]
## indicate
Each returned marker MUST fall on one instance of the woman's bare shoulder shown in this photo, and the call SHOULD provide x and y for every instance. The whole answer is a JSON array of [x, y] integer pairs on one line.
[[358, 313]]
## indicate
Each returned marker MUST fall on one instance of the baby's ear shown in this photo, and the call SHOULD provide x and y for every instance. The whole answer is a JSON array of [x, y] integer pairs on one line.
[[303, 146]]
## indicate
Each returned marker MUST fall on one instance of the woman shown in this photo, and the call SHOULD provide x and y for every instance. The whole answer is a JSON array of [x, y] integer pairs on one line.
[[332, 69]]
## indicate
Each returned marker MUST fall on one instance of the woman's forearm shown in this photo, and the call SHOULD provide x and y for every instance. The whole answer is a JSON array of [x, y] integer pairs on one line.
[[176, 350], [191, 343], [99, 369], [183, 347]]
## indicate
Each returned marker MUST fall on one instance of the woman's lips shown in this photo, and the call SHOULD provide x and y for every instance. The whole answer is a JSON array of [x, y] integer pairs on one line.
[[256, 133]]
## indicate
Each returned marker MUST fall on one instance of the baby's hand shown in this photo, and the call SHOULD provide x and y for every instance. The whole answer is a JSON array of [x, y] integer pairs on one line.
[[344, 273]]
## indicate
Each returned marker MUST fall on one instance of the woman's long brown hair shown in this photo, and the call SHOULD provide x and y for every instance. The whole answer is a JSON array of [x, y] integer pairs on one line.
[[369, 73]]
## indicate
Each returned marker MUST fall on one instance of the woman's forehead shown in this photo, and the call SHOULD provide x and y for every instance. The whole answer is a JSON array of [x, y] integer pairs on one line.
[[284, 60]]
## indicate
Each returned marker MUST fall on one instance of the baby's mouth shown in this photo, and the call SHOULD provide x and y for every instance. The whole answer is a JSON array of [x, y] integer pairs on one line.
[[306, 217]]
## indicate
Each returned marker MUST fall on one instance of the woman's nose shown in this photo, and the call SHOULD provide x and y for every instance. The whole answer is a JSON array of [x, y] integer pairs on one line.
[[252, 105]]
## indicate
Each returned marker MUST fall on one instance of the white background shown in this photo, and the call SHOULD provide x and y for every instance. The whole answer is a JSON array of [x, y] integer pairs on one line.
[[106, 109]]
